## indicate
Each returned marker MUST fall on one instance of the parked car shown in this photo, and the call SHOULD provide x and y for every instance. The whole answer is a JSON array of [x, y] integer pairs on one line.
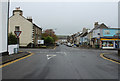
[[69, 44], [57, 44]]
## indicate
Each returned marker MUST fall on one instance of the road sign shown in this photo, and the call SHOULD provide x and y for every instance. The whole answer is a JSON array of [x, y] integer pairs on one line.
[[17, 33], [40, 41]]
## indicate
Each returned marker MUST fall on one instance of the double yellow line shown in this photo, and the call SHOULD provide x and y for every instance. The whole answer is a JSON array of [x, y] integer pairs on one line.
[[6, 64], [102, 55]]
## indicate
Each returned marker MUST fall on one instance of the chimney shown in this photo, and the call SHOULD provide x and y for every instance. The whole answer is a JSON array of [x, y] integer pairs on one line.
[[17, 11], [29, 19], [96, 24]]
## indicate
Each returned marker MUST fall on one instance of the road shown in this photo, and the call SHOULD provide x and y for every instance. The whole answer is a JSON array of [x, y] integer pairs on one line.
[[62, 63]]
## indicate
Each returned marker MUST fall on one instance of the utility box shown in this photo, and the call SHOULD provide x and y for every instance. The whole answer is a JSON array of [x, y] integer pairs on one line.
[[15, 50]]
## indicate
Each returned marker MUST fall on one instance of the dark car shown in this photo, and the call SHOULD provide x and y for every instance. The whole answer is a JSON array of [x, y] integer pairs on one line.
[[57, 44]]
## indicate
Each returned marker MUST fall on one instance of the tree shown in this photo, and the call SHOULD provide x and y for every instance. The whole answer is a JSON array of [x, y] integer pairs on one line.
[[12, 39], [48, 40], [51, 33]]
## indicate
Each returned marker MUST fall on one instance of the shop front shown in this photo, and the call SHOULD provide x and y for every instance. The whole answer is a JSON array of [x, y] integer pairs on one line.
[[110, 43]]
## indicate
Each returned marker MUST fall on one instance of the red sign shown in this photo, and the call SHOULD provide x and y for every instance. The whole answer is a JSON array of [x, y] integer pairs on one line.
[[17, 33]]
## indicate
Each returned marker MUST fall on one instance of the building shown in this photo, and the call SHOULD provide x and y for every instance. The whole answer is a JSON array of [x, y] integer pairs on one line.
[[110, 38], [79, 38], [4, 10], [83, 37], [31, 33], [118, 22], [62, 38], [96, 33], [89, 37]]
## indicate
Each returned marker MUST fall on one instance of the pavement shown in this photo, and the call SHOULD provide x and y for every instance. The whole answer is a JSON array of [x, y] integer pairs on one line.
[[113, 56], [63, 63], [12, 57]]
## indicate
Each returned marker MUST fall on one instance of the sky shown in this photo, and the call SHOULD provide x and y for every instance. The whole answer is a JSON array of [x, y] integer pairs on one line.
[[69, 17]]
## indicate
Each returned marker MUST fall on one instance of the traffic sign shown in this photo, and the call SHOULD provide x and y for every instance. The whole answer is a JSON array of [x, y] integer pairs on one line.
[[17, 33], [40, 41]]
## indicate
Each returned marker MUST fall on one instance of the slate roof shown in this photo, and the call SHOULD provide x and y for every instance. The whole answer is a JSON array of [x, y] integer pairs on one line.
[[99, 26]]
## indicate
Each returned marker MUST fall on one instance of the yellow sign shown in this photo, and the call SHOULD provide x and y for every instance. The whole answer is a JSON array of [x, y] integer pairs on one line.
[[109, 39]]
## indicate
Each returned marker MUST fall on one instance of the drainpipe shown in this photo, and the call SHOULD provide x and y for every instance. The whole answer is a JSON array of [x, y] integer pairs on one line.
[[8, 24]]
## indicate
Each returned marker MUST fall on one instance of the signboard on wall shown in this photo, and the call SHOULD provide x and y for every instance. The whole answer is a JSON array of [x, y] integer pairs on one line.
[[40, 41]]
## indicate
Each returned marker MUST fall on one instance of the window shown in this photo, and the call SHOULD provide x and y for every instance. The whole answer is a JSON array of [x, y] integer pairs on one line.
[[107, 32], [104, 44], [107, 43], [98, 33], [110, 44], [117, 31], [17, 28]]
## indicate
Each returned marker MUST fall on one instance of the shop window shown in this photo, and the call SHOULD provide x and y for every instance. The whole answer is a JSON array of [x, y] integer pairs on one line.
[[107, 44], [104, 44], [110, 44]]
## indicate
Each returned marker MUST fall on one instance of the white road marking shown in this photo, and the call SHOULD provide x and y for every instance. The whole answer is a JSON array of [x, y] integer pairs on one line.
[[65, 53], [50, 56]]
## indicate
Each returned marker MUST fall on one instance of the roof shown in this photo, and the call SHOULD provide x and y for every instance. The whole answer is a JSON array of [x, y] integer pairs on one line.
[[28, 21], [84, 34], [37, 26], [99, 26]]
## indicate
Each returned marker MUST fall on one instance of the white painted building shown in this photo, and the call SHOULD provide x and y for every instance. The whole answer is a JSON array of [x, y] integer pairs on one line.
[[31, 33], [3, 26]]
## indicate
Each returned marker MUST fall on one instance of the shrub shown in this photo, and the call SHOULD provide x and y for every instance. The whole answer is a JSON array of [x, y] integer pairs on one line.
[[12, 39], [48, 40]]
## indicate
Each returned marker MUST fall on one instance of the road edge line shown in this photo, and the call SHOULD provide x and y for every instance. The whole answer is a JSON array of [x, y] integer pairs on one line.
[[11, 62], [109, 59]]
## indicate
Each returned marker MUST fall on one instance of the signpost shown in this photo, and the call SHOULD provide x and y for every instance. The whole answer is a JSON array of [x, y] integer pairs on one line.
[[17, 33]]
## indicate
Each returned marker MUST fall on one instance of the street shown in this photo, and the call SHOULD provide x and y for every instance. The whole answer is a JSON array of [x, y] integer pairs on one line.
[[62, 63]]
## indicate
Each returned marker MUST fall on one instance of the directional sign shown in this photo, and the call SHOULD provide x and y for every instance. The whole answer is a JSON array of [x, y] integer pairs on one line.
[[17, 33]]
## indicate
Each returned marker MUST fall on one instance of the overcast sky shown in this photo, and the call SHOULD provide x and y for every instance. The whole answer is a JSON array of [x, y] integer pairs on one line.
[[69, 17]]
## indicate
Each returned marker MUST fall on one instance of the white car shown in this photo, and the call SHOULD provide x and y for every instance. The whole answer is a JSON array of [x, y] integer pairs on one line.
[[69, 44]]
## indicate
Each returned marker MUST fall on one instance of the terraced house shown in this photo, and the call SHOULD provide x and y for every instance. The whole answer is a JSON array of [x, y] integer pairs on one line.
[[31, 33]]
